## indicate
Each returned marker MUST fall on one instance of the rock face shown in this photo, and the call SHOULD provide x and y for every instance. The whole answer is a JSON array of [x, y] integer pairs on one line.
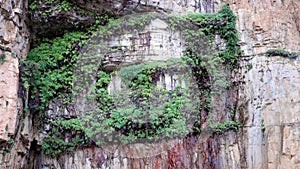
[[268, 96], [271, 94], [156, 42], [122, 7], [266, 24], [70, 15], [13, 47]]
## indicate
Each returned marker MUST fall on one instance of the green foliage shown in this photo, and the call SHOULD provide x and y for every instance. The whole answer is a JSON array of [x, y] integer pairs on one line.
[[206, 61], [225, 126], [142, 109], [223, 24], [55, 5], [47, 7], [48, 70], [48, 74], [283, 53], [102, 96], [63, 137], [9, 144]]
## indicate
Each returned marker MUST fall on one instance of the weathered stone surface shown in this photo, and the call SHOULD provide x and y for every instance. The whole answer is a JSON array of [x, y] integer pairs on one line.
[[271, 95], [266, 24], [203, 152], [268, 101], [14, 45], [156, 42], [49, 19]]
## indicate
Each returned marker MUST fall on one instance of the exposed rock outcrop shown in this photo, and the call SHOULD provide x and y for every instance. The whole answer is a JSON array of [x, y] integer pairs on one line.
[[13, 46], [271, 99], [14, 35], [268, 95], [266, 24]]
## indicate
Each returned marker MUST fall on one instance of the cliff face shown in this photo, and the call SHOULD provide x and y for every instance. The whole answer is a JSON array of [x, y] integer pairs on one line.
[[14, 46], [267, 24], [268, 100], [270, 93], [272, 129]]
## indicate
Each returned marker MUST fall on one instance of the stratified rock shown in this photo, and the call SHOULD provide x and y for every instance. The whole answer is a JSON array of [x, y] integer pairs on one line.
[[267, 24], [124, 7], [14, 45], [271, 98]]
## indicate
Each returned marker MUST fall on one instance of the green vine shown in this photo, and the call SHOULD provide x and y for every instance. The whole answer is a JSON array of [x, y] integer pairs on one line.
[[225, 126], [159, 111], [48, 70], [65, 135], [46, 7], [222, 24]]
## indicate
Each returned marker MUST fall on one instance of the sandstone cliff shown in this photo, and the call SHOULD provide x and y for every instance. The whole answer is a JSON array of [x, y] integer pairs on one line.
[[267, 96]]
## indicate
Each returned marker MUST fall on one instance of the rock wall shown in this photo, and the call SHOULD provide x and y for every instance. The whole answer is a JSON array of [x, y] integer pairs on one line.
[[265, 24], [269, 104], [270, 93], [271, 99], [14, 37]]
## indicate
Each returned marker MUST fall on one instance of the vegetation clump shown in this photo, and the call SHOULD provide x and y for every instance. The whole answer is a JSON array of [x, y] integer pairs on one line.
[[282, 53], [148, 110], [225, 126], [143, 109], [64, 136], [48, 75], [222, 24], [48, 70], [46, 7]]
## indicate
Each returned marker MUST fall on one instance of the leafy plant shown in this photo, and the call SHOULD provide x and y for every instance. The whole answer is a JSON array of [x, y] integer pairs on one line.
[[64, 136], [225, 126], [48, 70], [142, 109]]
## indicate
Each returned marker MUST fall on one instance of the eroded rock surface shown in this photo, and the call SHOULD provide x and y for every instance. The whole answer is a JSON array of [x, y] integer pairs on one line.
[[271, 98], [266, 24], [268, 98], [13, 47], [53, 18]]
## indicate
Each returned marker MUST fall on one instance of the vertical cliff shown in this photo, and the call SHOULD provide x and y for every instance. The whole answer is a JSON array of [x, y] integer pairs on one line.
[[270, 92], [14, 45], [264, 99]]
